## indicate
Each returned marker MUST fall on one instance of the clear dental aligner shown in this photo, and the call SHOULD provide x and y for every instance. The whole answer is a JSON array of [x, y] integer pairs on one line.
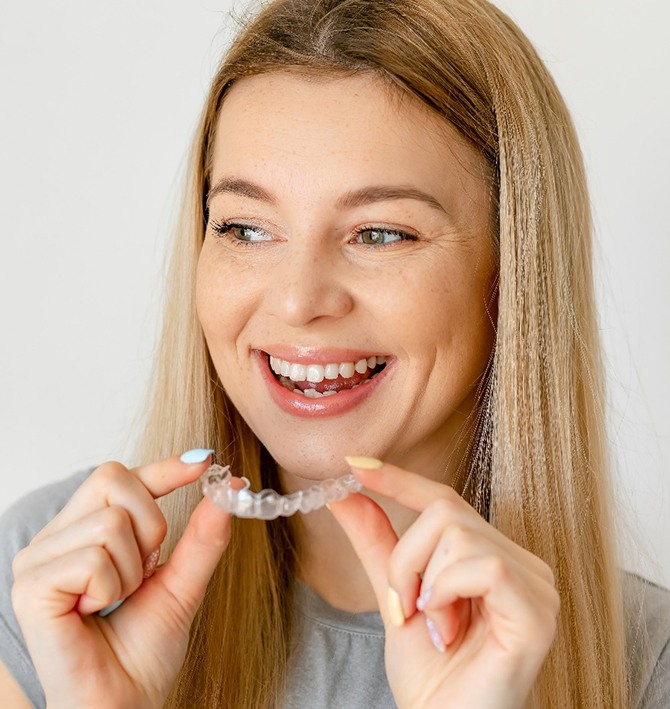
[[269, 504]]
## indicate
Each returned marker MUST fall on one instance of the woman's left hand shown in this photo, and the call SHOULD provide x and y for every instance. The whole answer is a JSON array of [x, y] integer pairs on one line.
[[479, 611]]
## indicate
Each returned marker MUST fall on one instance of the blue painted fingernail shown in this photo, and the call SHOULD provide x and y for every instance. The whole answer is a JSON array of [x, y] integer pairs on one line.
[[423, 599], [111, 609], [196, 455], [435, 635]]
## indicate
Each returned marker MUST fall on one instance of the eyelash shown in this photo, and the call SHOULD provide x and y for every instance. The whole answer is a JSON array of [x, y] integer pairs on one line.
[[223, 228], [404, 236]]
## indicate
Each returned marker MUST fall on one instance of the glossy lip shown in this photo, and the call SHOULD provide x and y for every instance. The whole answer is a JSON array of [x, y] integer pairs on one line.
[[300, 405]]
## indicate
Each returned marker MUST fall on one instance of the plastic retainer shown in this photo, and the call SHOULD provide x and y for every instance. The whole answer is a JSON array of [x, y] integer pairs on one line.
[[269, 504]]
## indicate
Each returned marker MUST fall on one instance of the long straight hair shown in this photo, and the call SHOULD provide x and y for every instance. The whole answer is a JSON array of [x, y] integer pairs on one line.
[[537, 464]]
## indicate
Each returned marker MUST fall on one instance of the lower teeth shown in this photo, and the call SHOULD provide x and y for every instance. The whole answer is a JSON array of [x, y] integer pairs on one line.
[[313, 393]]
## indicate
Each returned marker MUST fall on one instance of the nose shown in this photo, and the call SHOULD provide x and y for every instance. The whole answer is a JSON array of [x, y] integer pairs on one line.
[[309, 283]]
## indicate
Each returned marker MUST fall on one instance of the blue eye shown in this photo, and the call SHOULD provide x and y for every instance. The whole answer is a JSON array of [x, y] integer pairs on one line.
[[240, 232], [381, 237]]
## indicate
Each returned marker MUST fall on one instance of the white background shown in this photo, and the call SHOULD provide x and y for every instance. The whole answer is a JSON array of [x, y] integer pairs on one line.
[[98, 102]]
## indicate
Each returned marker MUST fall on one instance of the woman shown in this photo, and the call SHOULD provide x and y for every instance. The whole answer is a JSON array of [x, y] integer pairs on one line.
[[395, 189]]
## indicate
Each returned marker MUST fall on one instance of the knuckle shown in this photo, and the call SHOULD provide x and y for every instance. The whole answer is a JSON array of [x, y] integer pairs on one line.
[[19, 561], [442, 507], [451, 496], [548, 572], [21, 596], [96, 559], [110, 473], [116, 521], [458, 537], [498, 569], [549, 625], [157, 528], [134, 580]]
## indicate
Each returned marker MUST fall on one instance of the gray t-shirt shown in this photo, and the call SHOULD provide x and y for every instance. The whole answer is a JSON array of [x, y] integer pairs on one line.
[[331, 645]]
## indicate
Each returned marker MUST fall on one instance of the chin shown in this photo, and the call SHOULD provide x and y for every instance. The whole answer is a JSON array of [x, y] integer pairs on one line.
[[311, 466]]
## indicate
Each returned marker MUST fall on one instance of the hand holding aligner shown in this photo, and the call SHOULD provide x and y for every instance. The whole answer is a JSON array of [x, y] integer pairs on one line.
[[269, 504]]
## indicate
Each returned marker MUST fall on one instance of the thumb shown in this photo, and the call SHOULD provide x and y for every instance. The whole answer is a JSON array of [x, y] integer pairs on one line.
[[373, 539], [184, 577]]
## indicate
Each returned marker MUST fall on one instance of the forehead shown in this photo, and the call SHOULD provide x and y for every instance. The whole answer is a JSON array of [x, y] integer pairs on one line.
[[355, 120]]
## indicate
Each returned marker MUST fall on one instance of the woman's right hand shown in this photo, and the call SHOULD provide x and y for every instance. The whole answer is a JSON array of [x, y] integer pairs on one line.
[[89, 556]]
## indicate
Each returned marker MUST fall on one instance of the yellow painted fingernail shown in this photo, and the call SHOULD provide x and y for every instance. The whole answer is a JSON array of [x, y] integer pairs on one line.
[[363, 462], [394, 606]]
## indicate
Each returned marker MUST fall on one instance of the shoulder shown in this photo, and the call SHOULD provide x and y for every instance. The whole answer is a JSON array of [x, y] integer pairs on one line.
[[647, 609], [18, 525], [21, 522]]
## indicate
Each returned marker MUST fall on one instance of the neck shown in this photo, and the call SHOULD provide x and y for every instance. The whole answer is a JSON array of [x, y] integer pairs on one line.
[[327, 561]]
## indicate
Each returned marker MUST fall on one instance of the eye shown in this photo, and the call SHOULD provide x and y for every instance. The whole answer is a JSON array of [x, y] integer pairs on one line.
[[381, 237], [241, 233]]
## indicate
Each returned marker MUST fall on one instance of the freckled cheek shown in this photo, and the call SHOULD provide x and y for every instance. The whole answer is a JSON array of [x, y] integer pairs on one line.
[[217, 302], [439, 312]]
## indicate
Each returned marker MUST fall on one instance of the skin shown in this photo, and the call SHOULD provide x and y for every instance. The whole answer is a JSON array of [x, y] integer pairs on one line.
[[309, 284], [307, 281]]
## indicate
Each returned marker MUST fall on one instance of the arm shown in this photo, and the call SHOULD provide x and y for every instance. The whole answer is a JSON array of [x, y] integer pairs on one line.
[[12, 695]]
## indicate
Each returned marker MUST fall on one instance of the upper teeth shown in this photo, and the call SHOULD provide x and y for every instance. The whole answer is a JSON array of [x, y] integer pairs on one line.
[[316, 373]]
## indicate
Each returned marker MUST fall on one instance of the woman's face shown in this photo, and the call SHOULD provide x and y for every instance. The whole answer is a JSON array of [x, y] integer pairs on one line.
[[348, 244]]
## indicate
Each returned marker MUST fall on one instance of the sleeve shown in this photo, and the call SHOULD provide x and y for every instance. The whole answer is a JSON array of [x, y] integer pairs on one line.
[[648, 611], [657, 693], [18, 525]]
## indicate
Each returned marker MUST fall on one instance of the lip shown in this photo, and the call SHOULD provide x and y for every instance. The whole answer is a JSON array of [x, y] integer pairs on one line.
[[299, 405], [316, 355]]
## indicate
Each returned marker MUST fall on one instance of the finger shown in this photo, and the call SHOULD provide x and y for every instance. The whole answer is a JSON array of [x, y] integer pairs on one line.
[[110, 529], [517, 605], [114, 485], [409, 489], [167, 475], [412, 555], [419, 493], [436, 540], [458, 543], [184, 577], [443, 625], [373, 539], [54, 590], [440, 533]]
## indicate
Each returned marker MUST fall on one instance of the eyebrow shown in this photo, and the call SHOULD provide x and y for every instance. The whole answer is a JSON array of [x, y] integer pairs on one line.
[[349, 200]]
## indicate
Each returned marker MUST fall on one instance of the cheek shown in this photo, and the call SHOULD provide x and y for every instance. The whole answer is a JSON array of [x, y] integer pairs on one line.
[[438, 307], [217, 298]]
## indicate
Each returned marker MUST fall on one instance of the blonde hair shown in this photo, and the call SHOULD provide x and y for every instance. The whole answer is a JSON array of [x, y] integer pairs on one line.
[[537, 465]]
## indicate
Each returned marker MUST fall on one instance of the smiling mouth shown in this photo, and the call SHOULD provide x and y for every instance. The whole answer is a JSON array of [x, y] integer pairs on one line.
[[317, 380]]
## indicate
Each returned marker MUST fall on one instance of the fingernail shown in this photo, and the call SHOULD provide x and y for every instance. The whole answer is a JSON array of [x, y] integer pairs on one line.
[[150, 563], [110, 609], [196, 455], [434, 635], [423, 599], [395, 608], [363, 462]]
